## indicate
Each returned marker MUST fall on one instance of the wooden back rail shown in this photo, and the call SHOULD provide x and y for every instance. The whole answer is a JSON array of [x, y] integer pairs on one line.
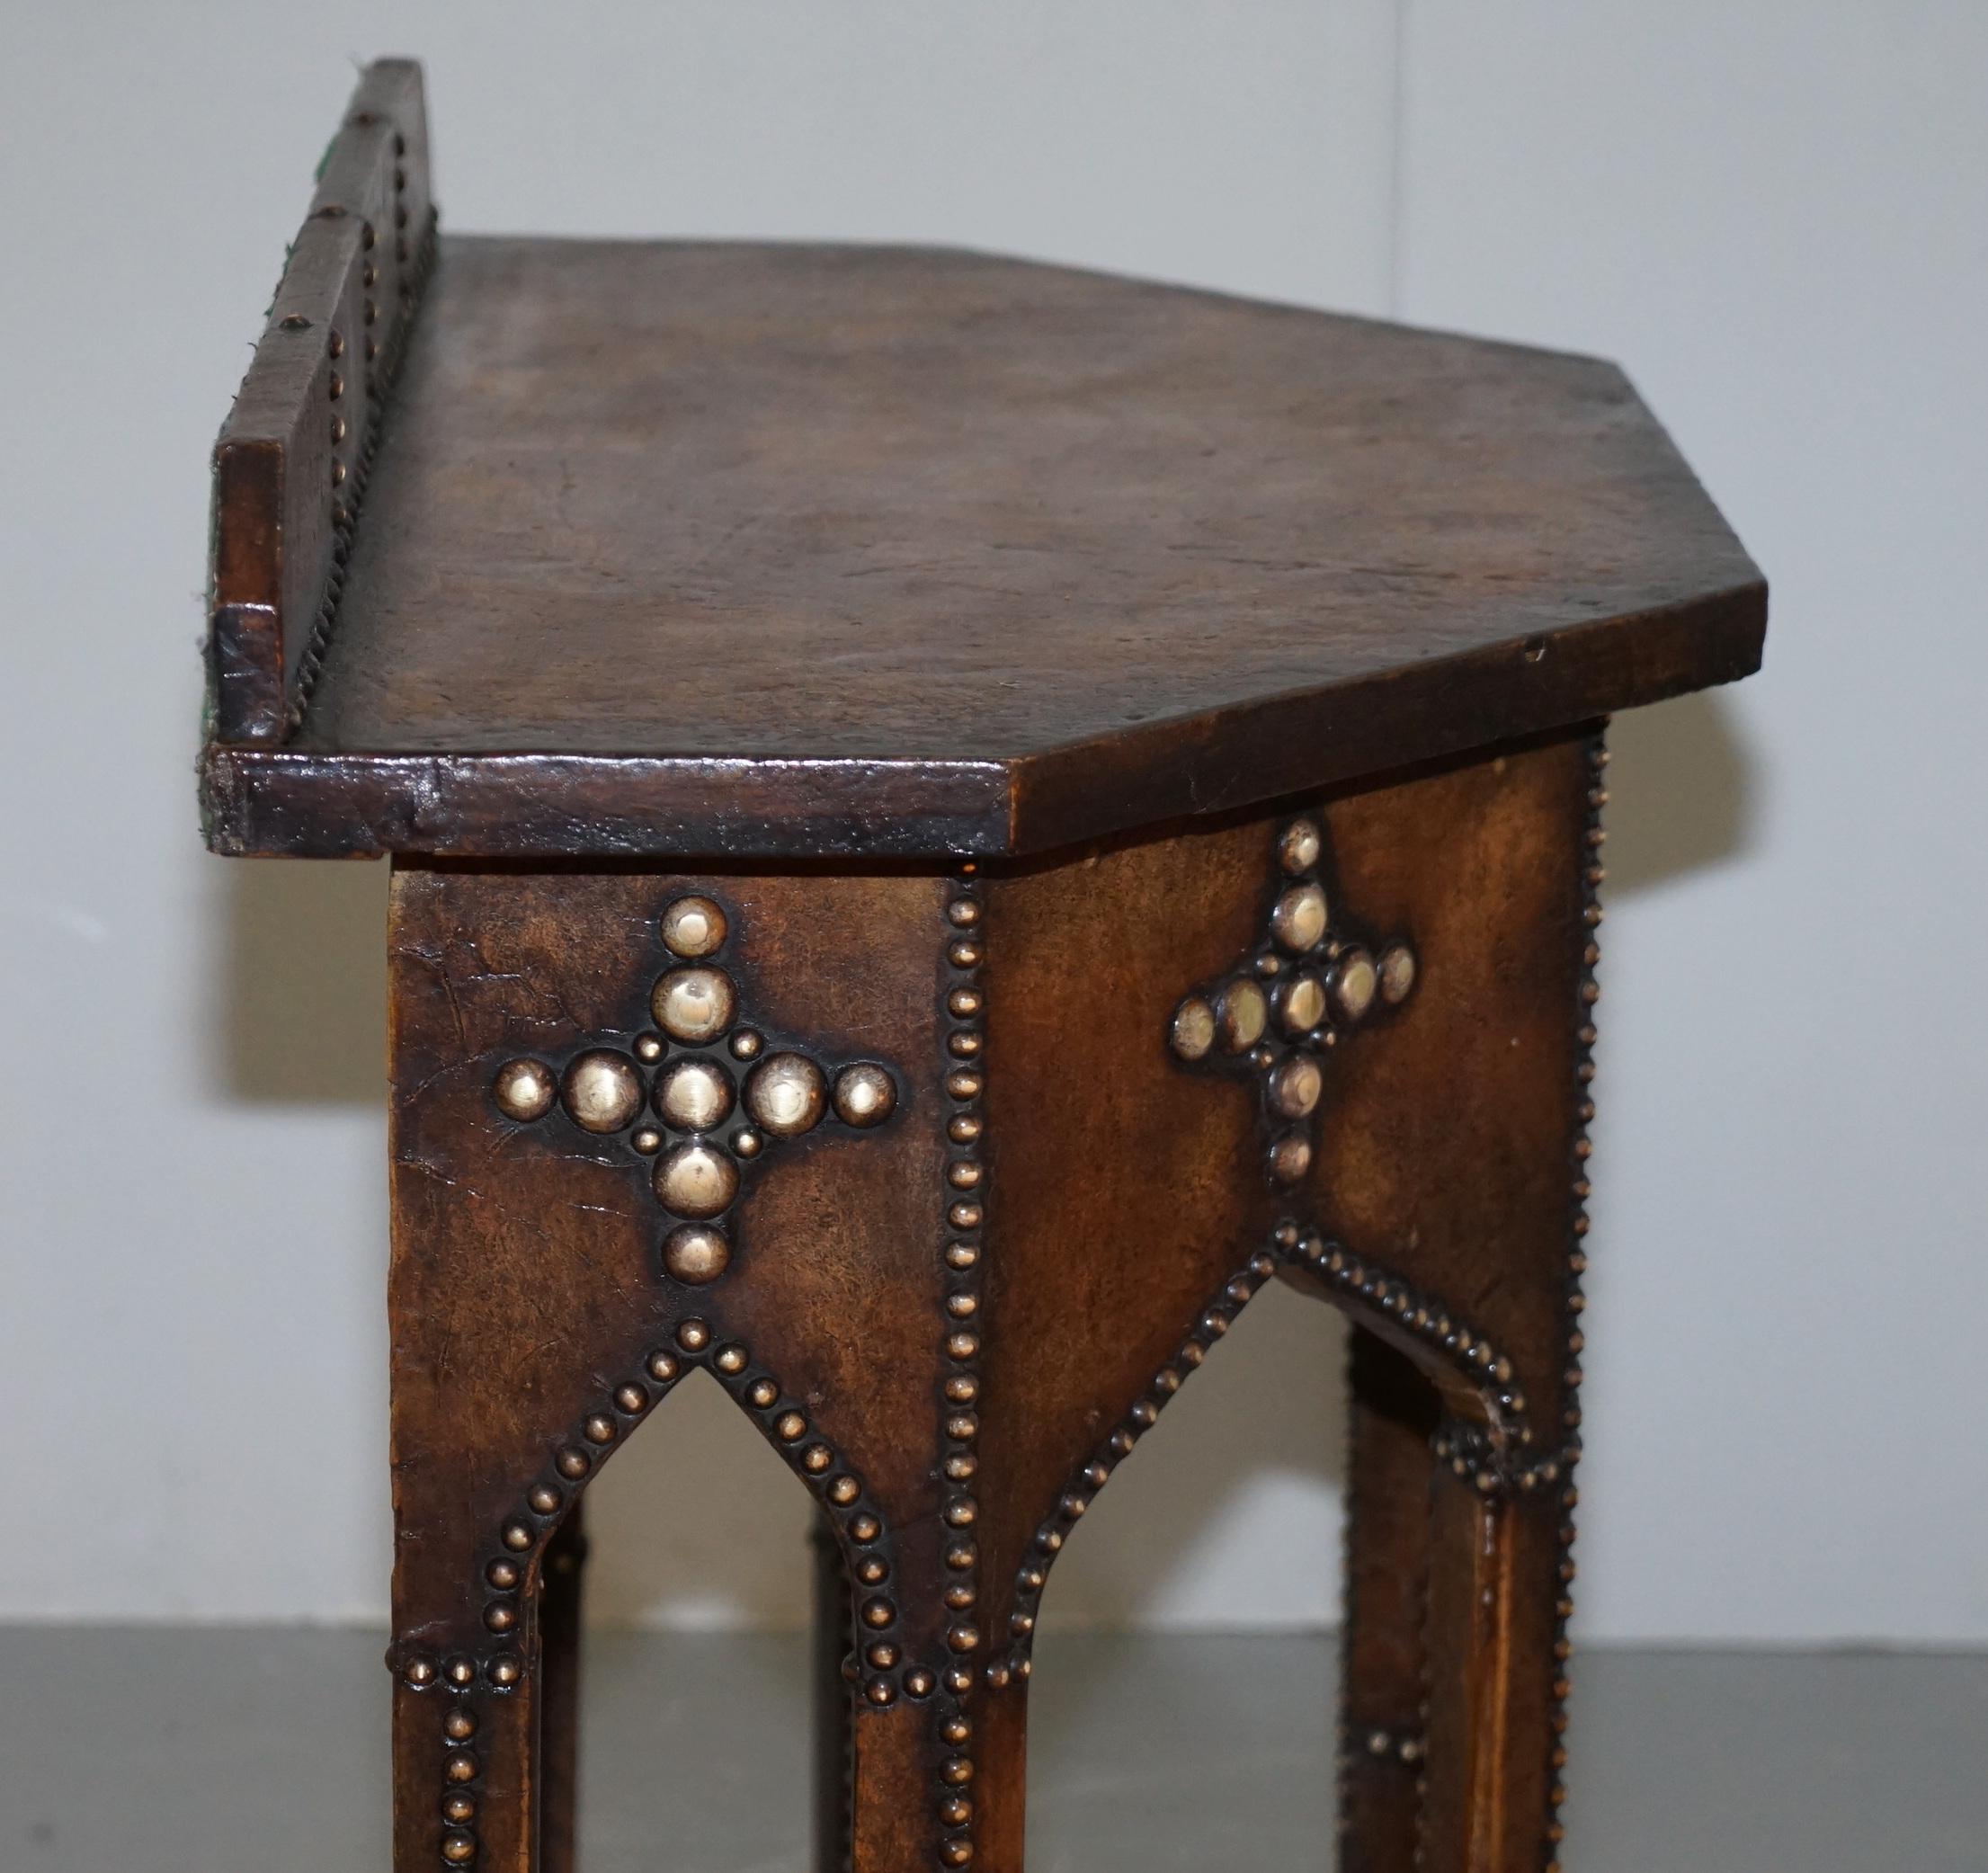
[[291, 464]]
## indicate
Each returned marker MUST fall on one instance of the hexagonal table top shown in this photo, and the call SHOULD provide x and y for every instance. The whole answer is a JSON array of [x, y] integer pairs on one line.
[[744, 548]]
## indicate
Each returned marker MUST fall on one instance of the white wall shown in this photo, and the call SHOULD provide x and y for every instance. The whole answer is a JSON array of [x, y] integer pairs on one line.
[[1776, 222]]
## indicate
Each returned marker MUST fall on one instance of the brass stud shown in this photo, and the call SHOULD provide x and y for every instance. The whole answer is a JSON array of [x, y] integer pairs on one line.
[[517, 1535], [963, 1306], [956, 1770], [1193, 1030], [694, 1336], [790, 1427], [964, 1127], [524, 1090], [1353, 982], [693, 927], [957, 1731], [963, 912], [1301, 1003], [961, 1255], [963, 1085], [730, 1359], [787, 1095], [694, 1005], [420, 1672], [882, 1656], [865, 1094], [506, 1671], [965, 1002], [965, 1044], [694, 1095], [878, 1613], [573, 1462], [881, 1692], [962, 1389], [1298, 921], [458, 1848], [1290, 1159], [961, 1556], [919, 1682], [599, 1429], [962, 1346], [695, 1253], [964, 1638], [662, 1366], [816, 1459], [844, 1490], [965, 1215], [500, 1617], [459, 1724], [648, 1048], [544, 1499], [459, 1766], [872, 1569], [956, 1811], [963, 1174], [763, 1393], [602, 1091], [1298, 850], [961, 1595], [957, 1851], [461, 1671], [501, 1573], [696, 1181], [748, 1143], [961, 1511], [1240, 1014], [648, 1140], [965, 954], [458, 1807], [864, 1527], [1295, 1086]]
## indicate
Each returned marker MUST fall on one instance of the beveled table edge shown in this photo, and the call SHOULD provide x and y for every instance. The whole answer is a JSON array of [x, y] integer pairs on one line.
[[304, 803]]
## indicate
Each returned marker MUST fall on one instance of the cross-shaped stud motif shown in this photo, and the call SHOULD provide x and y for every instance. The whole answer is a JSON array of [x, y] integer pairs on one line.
[[695, 1075], [1283, 1007]]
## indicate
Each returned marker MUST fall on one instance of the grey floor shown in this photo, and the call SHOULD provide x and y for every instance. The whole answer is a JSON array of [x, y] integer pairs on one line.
[[169, 1751]]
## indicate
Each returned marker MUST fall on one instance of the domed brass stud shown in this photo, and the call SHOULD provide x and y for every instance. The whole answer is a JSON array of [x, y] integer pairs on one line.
[[1298, 850], [1295, 1086], [693, 926], [646, 1139], [1240, 1014], [731, 1360], [787, 1094], [1301, 1004], [602, 1091], [502, 1575], [920, 1682], [459, 1766], [959, 1852], [648, 1048], [506, 1671], [693, 1335], [694, 1005], [696, 1181], [790, 1427], [662, 1366], [420, 1673], [1193, 1030], [599, 1429], [765, 1394], [881, 1692], [458, 1848], [746, 1045], [748, 1143], [872, 1569], [694, 1095], [878, 1613], [459, 1808], [631, 1399], [865, 1094], [1397, 973], [524, 1090], [544, 1499], [460, 1725], [461, 1672], [1290, 1159], [1298, 921], [1353, 982], [844, 1490], [696, 1254]]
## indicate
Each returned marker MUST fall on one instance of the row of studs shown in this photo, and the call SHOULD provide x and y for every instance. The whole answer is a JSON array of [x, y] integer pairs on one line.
[[1592, 873], [349, 484], [965, 1199], [1475, 1356], [786, 1427]]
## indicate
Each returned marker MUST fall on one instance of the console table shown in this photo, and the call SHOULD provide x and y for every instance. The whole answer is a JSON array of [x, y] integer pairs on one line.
[[950, 819]]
